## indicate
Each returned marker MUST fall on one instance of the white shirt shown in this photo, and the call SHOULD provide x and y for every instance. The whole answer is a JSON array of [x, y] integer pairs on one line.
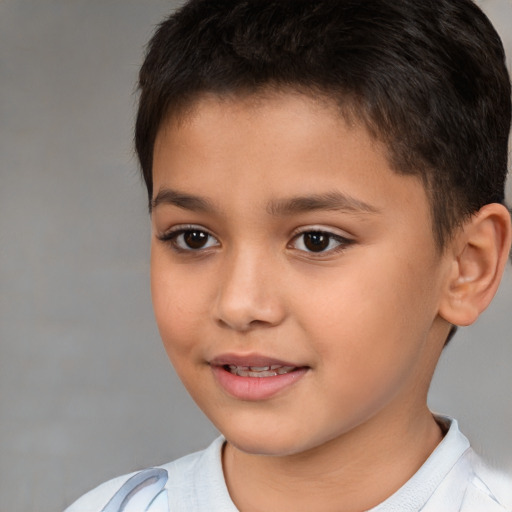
[[452, 479]]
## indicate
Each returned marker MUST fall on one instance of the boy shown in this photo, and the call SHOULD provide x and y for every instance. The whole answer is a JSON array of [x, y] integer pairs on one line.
[[326, 186]]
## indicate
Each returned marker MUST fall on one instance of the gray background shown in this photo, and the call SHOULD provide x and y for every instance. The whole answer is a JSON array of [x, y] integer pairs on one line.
[[86, 391]]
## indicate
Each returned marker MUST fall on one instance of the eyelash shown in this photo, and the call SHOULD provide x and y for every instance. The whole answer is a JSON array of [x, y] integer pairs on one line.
[[172, 238], [342, 241]]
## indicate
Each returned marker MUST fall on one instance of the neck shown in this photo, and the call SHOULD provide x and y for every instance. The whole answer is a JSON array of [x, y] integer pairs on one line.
[[353, 472]]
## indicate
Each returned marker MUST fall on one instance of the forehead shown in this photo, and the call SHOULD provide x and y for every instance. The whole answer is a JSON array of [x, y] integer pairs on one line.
[[268, 105], [214, 123], [260, 149], [260, 126]]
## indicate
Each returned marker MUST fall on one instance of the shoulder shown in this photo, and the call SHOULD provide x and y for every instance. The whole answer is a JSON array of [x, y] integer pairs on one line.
[[479, 486], [97, 498], [452, 479], [473, 486], [153, 489], [488, 486]]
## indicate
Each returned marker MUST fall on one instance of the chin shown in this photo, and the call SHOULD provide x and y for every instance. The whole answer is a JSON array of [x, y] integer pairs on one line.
[[265, 447], [275, 444]]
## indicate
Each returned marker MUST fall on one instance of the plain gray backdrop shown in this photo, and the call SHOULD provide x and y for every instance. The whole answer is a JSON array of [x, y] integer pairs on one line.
[[86, 391]]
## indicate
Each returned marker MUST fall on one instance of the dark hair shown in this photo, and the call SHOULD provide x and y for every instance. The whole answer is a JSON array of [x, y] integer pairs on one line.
[[427, 78]]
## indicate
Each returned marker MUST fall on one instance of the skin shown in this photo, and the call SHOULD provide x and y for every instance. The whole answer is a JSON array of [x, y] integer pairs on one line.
[[363, 317]]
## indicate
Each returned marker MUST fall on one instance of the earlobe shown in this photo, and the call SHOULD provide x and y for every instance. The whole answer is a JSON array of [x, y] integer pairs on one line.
[[479, 254]]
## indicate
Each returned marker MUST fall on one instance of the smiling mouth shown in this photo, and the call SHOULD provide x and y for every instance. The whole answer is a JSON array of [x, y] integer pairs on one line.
[[258, 371], [255, 377]]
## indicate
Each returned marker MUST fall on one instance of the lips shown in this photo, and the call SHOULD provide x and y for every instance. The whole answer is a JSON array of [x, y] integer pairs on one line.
[[259, 371], [252, 360], [255, 377]]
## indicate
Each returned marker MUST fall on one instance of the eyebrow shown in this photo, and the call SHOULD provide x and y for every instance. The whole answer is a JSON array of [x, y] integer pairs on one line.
[[335, 201], [182, 200]]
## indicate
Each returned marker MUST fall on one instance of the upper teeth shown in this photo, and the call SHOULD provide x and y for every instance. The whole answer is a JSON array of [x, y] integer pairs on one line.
[[259, 371]]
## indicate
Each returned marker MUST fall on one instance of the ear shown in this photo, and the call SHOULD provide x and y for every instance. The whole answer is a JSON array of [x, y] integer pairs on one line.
[[478, 255]]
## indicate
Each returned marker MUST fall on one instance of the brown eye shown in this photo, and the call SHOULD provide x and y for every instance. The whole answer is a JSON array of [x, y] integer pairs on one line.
[[195, 239], [189, 239], [316, 241], [320, 242]]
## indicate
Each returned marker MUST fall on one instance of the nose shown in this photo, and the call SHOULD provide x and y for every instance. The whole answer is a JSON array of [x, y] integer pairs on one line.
[[249, 295]]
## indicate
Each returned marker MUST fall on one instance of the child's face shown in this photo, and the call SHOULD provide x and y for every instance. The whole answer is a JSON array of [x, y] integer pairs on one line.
[[282, 238]]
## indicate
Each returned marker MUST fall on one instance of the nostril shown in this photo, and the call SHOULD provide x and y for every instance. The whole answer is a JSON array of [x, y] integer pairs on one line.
[[247, 299], [243, 326]]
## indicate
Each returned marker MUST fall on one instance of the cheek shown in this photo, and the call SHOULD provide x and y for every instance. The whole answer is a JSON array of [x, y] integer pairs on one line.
[[366, 318], [178, 303], [366, 348]]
